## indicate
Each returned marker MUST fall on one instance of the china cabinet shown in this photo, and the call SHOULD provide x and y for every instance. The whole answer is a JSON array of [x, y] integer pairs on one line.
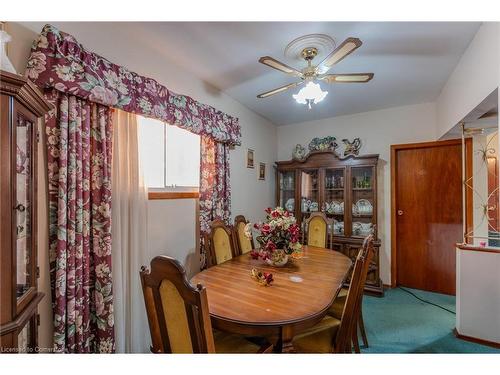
[[21, 107], [345, 189]]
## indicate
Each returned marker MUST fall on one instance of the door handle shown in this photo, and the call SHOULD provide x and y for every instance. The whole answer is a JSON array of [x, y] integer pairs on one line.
[[20, 207], [400, 212]]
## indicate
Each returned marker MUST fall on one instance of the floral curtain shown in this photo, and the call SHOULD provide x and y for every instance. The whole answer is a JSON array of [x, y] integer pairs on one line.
[[215, 188], [58, 60], [79, 135]]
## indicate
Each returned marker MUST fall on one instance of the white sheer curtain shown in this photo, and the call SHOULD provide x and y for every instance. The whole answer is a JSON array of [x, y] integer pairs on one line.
[[129, 229]]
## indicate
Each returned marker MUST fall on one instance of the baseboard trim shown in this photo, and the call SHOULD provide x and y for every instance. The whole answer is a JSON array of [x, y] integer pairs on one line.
[[475, 340]]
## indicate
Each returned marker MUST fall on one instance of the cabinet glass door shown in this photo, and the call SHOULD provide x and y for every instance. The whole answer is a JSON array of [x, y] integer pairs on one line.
[[23, 205], [363, 200], [334, 200], [24, 338], [309, 192], [287, 190]]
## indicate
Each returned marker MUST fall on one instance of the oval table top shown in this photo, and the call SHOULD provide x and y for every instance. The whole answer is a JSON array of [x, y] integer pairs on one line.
[[303, 289]]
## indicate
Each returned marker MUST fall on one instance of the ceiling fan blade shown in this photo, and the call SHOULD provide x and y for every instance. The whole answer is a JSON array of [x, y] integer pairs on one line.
[[347, 47], [347, 78], [279, 89], [273, 63]]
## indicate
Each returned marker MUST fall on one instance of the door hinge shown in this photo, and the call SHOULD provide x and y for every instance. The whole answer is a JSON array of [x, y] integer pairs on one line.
[[37, 272], [37, 136], [38, 320]]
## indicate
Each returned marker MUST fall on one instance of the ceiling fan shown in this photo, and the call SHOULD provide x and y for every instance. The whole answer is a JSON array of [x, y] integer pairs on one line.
[[312, 93]]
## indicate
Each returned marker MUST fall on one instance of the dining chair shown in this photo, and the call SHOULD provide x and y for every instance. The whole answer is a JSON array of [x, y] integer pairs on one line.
[[221, 243], [316, 230], [333, 335], [244, 244], [338, 305], [178, 315]]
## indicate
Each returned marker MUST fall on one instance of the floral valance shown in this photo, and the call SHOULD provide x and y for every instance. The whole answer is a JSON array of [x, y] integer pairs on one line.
[[58, 61]]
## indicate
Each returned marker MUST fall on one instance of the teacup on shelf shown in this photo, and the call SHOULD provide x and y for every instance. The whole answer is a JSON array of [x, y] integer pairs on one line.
[[361, 229], [363, 207], [338, 227]]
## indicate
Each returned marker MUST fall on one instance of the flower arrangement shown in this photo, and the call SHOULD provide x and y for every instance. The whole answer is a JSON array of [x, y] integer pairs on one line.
[[278, 237], [263, 278]]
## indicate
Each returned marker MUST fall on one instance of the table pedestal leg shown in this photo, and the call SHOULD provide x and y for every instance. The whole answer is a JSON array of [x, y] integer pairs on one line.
[[284, 343], [288, 347]]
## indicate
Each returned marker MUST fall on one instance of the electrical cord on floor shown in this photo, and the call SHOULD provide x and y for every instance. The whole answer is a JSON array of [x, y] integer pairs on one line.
[[425, 301]]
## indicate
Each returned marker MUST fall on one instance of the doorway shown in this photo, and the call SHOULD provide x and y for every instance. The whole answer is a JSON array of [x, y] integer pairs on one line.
[[427, 212]]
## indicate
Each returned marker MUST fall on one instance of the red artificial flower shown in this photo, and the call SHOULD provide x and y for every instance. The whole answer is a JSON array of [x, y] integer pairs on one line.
[[293, 229], [266, 229], [268, 210], [270, 246], [275, 214], [256, 226], [254, 254], [268, 277]]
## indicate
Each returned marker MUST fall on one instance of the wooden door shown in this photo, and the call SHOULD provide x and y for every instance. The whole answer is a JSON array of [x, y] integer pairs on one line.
[[428, 214]]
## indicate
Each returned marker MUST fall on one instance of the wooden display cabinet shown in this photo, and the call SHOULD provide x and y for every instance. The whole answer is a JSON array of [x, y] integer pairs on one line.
[[21, 107], [345, 189]]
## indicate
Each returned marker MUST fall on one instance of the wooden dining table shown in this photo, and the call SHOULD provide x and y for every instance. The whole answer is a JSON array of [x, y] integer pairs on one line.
[[298, 298]]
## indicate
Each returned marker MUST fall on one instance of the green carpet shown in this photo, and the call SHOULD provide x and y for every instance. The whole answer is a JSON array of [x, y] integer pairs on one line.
[[400, 323]]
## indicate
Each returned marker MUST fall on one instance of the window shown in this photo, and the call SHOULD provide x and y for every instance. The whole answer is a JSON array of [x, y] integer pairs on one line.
[[170, 156]]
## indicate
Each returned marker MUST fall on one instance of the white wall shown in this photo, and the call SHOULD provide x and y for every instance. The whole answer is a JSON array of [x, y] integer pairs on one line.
[[478, 294], [476, 75], [172, 229], [377, 130]]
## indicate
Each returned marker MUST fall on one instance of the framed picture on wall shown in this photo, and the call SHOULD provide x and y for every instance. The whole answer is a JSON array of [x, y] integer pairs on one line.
[[250, 160], [262, 171]]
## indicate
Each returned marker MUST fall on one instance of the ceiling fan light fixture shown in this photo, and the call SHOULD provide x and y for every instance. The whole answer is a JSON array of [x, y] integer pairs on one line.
[[310, 94]]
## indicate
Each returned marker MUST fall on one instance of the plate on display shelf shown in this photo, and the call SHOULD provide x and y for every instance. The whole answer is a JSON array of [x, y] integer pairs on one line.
[[337, 207], [314, 206], [361, 229], [334, 207], [338, 227], [364, 207], [290, 204]]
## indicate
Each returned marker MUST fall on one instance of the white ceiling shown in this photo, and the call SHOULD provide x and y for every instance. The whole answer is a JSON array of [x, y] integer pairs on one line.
[[411, 61]]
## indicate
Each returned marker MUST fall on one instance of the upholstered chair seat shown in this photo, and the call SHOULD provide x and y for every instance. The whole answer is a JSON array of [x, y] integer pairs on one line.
[[319, 338], [336, 311], [338, 305], [227, 343]]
